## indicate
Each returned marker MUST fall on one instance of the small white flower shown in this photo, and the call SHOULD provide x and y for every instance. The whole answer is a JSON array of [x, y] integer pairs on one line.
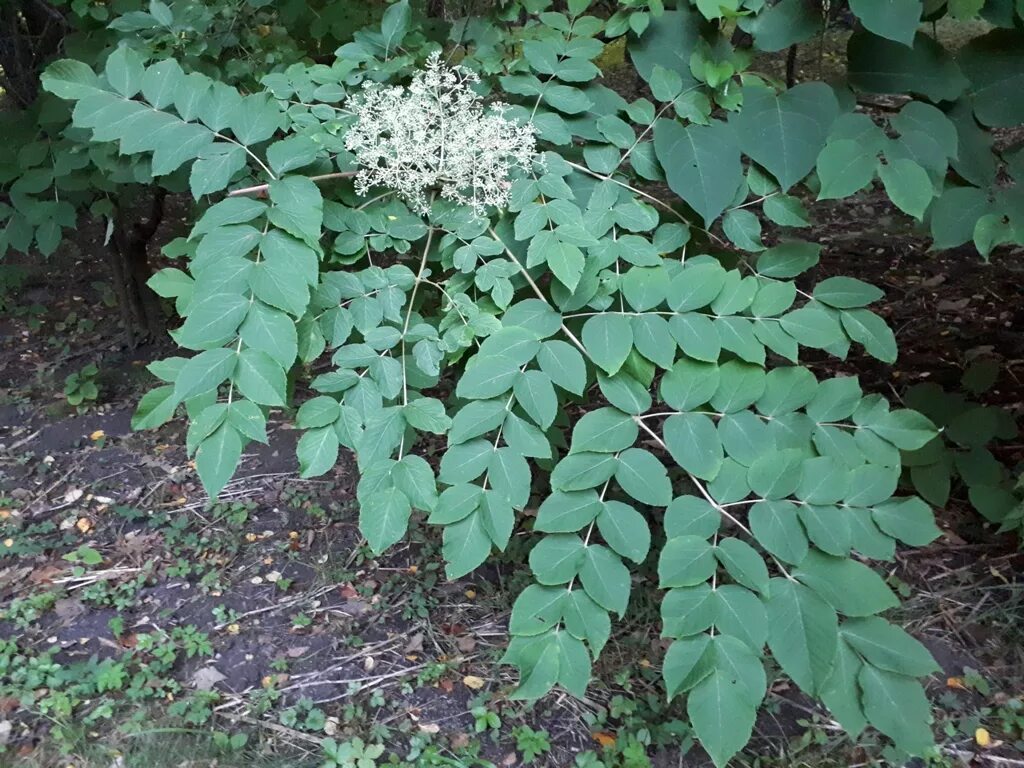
[[438, 134]]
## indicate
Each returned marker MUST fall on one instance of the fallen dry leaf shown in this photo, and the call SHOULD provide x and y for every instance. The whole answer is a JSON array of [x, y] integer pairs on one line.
[[45, 574], [68, 609], [415, 644], [348, 591], [473, 682], [205, 678], [466, 643], [606, 740]]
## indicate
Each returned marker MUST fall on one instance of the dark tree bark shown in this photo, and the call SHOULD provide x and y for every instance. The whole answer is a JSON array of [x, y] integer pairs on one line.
[[31, 33], [128, 258], [791, 66]]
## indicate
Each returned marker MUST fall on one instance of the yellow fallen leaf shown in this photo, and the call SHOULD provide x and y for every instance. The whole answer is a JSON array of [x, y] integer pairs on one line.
[[470, 594], [982, 737], [998, 574], [233, 629], [606, 740], [99, 434], [84, 525], [473, 682], [956, 682]]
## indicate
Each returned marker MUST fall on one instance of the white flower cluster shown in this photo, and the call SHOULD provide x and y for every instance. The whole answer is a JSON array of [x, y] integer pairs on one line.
[[438, 134]]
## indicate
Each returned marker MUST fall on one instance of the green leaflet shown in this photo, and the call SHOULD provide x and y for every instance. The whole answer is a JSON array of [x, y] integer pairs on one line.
[[204, 372], [722, 706], [803, 633], [557, 559], [896, 21], [694, 443], [844, 167], [605, 578], [743, 563], [777, 528], [383, 517], [625, 530], [881, 66], [841, 692], [702, 164], [785, 133], [271, 331], [896, 705], [466, 545], [260, 378], [217, 457], [888, 647], [685, 561], [608, 339], [642, 476], [605, 430], [781, 25], [213, 320], [850, 587]]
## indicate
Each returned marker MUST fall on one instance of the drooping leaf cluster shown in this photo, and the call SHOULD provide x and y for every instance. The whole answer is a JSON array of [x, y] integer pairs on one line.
[[623, 361]]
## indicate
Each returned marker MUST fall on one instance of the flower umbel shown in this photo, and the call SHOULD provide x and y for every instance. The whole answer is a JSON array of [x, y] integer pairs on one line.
[[438, 134]]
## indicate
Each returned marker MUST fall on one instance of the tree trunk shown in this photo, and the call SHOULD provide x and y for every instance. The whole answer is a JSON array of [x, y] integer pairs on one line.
[[31, 33], [128, 258], [791, 66]]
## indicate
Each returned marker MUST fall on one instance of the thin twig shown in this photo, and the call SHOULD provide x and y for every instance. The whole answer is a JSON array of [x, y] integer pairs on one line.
[[261, 190]]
